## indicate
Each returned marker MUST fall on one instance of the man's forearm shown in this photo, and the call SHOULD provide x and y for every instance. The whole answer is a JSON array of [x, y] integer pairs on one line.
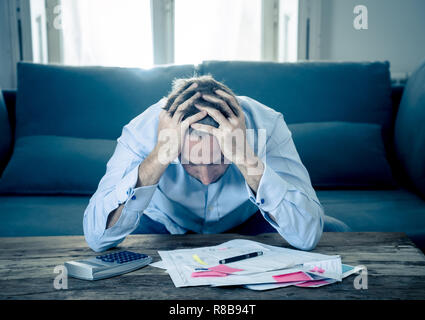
[[253, 170], [150, 171]]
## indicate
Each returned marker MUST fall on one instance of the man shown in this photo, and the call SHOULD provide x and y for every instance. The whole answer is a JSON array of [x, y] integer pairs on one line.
[[206, 161]]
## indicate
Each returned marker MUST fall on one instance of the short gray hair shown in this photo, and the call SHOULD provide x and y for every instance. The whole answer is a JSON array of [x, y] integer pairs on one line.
[[206, 84]]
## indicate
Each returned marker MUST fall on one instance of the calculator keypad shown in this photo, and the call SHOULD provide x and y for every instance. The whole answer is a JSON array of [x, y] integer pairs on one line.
[[121, 257]]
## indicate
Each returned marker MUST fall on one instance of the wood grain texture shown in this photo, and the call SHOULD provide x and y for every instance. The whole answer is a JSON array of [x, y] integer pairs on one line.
[[396, 268]]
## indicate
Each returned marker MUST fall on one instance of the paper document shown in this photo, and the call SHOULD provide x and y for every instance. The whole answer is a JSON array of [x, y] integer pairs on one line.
[[159, 264], [185, 265]]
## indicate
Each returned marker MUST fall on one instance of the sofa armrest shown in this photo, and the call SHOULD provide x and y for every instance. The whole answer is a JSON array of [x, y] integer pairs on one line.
[[5, 135], [409, 134]]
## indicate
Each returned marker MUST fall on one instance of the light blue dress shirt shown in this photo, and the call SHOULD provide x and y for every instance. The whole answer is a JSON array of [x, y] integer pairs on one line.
[[182, 203]]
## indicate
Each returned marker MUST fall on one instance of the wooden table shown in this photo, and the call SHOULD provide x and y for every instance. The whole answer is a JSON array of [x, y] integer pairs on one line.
[[396, 269]]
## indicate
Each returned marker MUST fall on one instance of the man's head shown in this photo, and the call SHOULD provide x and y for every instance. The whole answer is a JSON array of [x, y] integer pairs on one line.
[[201, 156], [206, 84]]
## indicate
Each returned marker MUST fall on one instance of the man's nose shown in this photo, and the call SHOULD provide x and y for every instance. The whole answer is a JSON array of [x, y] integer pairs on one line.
[[206, 175]]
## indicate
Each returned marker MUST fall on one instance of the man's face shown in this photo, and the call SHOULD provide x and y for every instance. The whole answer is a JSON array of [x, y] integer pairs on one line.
[[202, 158]]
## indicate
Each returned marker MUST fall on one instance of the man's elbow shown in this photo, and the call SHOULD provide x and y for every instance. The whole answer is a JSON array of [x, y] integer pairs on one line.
[[312, 241], [94, 240], [96, 246], [99, 245], [308, 239], [314, 233]]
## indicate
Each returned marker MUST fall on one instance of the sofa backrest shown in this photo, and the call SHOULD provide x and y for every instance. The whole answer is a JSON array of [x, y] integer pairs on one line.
[[313, 91], [10, 101], [50, 97], [87, 102]]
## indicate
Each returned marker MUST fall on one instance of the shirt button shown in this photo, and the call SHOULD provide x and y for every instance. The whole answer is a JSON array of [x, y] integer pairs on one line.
[[133, 198], [262, 201]]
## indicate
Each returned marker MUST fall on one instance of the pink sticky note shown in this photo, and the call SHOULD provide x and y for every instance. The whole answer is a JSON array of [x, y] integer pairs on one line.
[[208, 274], [317, 269], [292, 277], [312, 283], [224, 269]]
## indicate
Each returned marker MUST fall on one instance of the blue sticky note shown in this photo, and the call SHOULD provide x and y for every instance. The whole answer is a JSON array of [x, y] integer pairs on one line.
[[346, 268]]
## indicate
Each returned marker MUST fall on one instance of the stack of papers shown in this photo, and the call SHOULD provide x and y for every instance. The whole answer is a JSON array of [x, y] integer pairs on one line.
[[275, 268]]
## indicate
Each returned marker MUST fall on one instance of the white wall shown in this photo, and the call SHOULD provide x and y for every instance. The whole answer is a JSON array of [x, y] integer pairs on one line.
[[396, 32]]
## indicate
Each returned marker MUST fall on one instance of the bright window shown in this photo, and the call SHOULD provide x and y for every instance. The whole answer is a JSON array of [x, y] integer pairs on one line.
[[288, 30], [107, 33], [140, 33], [217, 30]]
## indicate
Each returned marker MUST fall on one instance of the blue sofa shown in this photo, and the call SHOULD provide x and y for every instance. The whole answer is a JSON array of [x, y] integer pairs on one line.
[[361, 139]]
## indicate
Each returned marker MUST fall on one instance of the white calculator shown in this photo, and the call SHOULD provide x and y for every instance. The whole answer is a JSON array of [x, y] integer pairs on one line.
[[107, 265]]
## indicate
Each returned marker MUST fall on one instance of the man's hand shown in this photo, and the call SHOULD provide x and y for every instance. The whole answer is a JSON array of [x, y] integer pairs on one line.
[[230, 129], [171, 128], [231, 135], [171, 131]]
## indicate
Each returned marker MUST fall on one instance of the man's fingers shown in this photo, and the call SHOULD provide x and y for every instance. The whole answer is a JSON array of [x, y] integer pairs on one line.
[[221, 102], [196, 117], [179, 99], [231, 100], [178, 115], [214, 113]]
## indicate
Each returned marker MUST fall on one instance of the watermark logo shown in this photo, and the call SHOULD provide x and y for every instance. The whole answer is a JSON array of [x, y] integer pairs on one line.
[[61, 280], [57, 21], [361, 19], [360, 281]]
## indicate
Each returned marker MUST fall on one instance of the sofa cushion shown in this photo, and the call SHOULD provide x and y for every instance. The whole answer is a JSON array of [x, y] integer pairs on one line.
[[24, 216], [410, 130], [87, 102], [56, 165], [397, 210], [343, 154], [314, 91]]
